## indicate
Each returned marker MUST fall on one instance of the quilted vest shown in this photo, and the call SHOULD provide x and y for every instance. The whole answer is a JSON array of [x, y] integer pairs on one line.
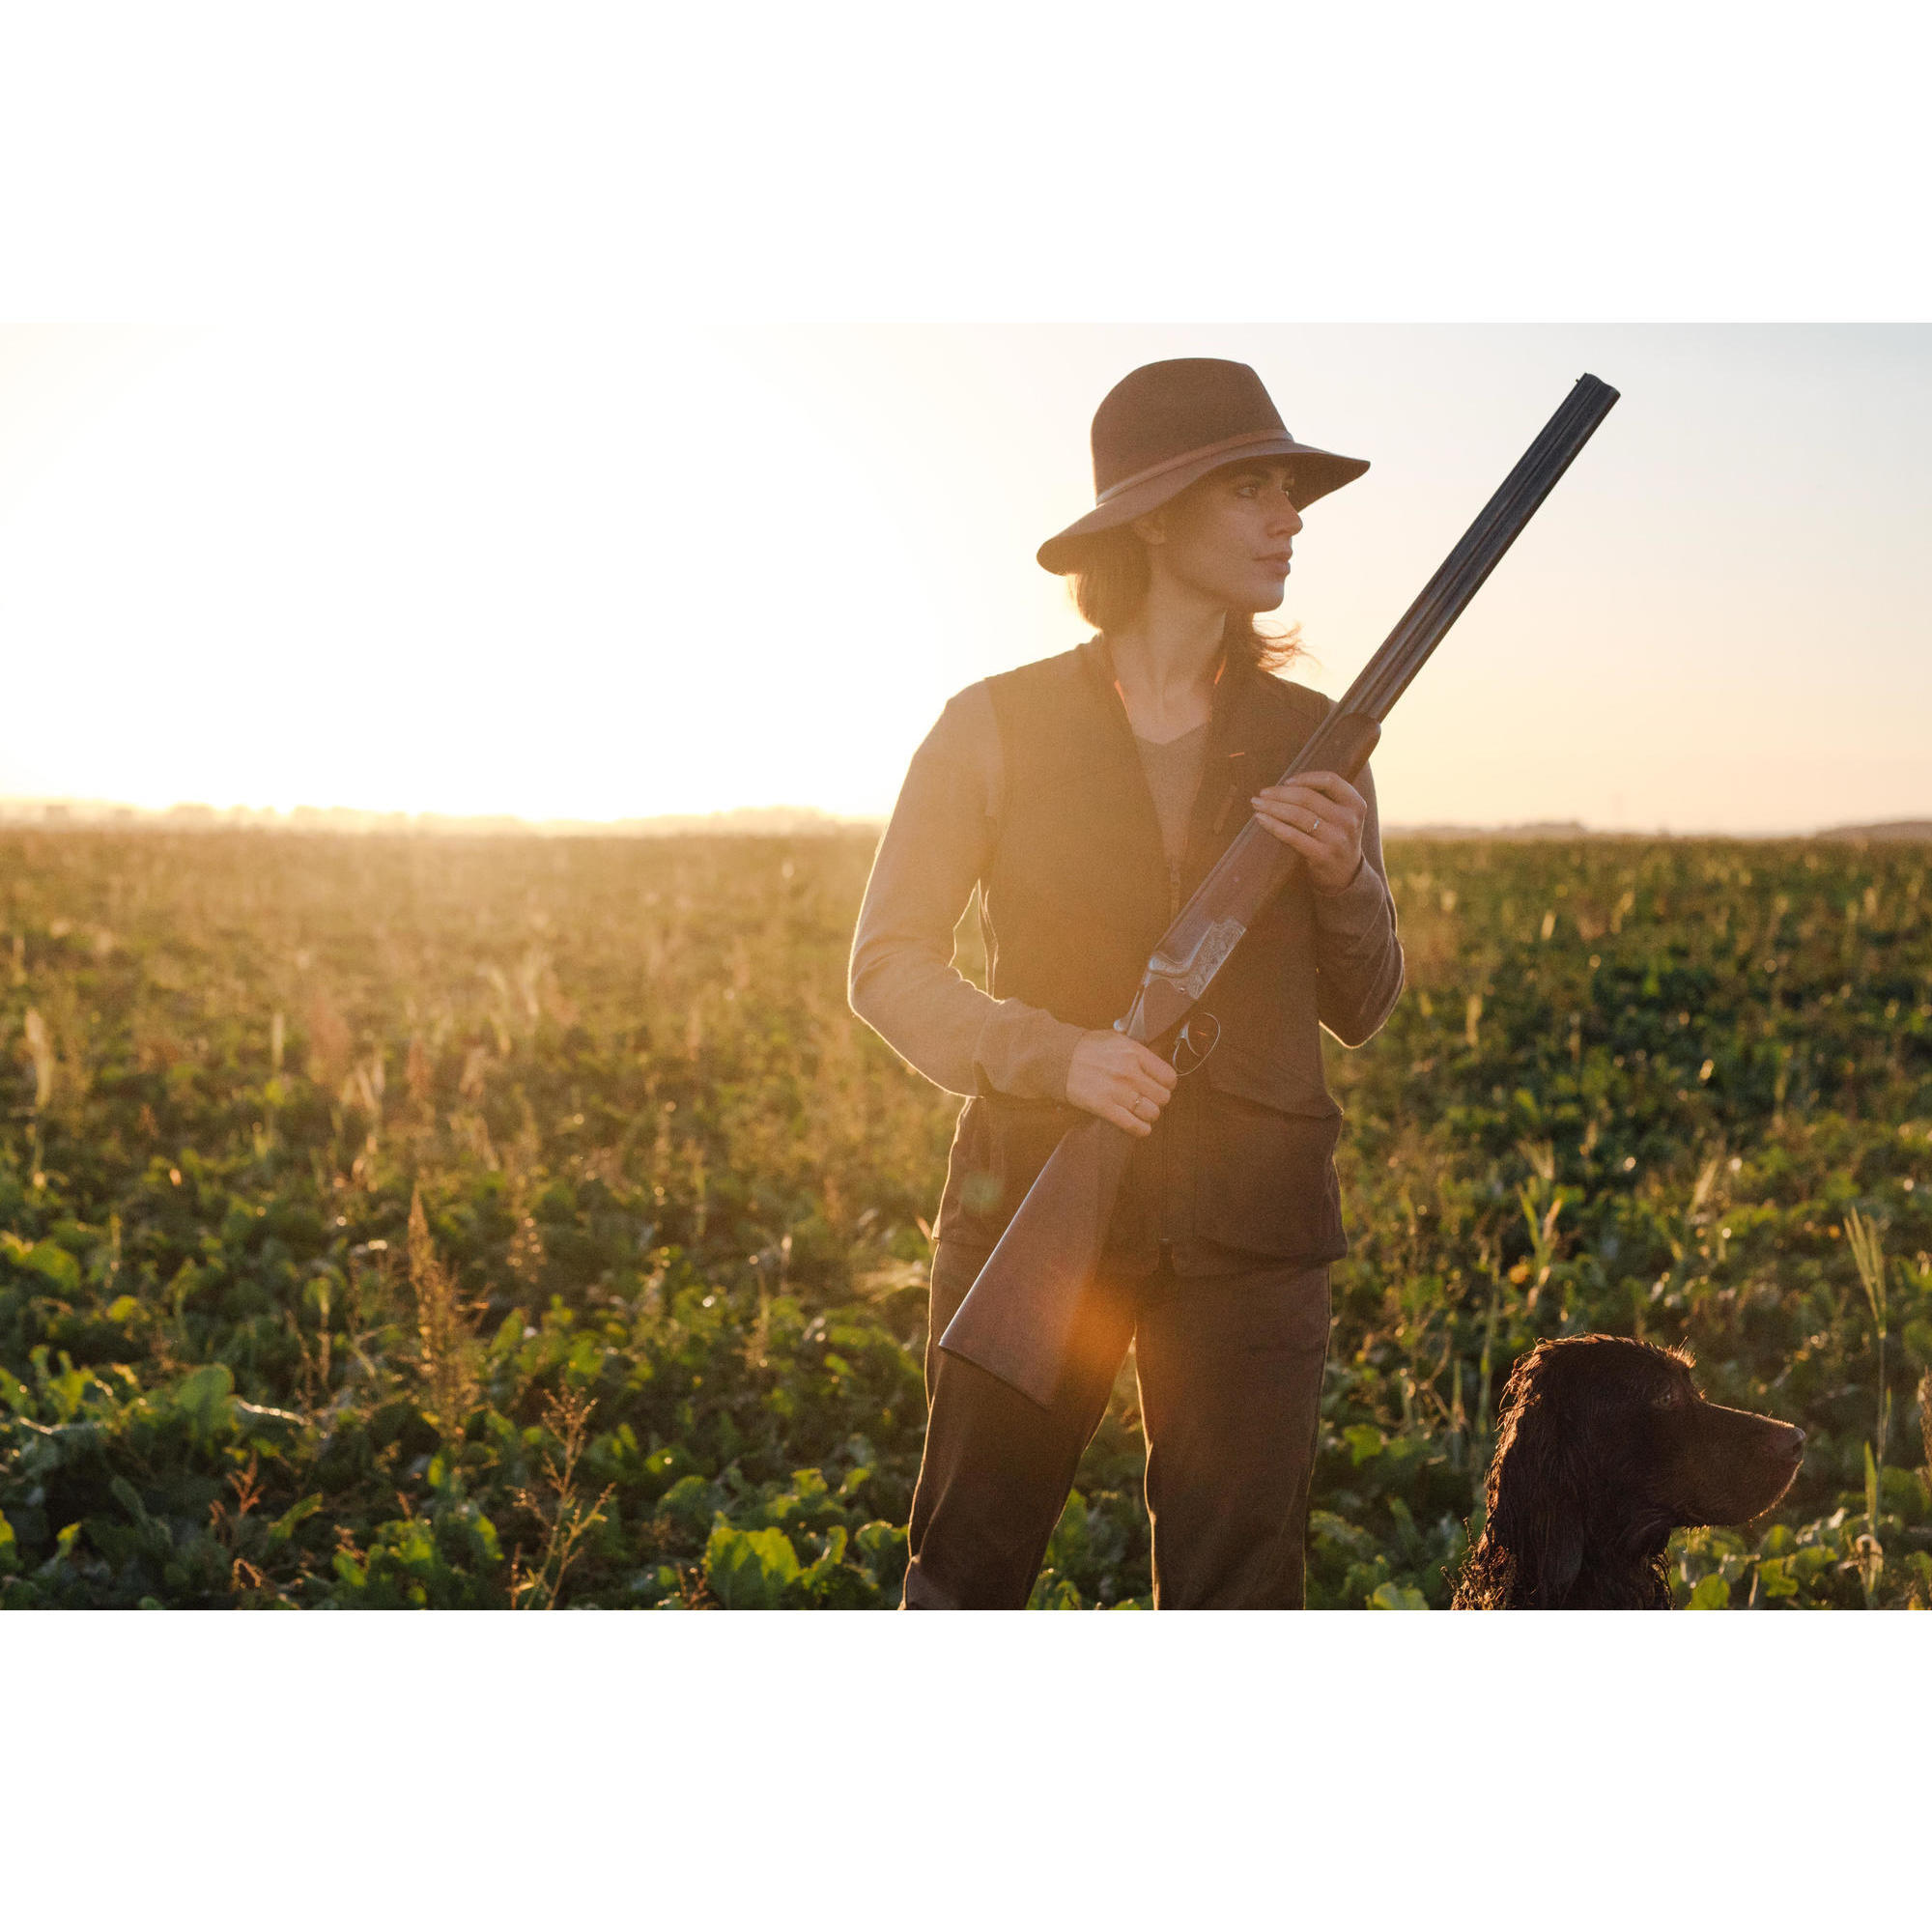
[[1076, 897]]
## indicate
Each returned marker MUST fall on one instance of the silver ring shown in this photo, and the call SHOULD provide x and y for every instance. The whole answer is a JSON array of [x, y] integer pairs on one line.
[[1317, 826]]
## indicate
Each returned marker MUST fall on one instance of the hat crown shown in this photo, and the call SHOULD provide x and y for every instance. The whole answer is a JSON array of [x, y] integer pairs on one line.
[[1161, 411]]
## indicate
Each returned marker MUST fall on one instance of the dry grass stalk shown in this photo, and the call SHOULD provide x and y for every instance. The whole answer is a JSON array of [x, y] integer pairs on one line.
[[1869, 1258], [329, 1043], [759, 1337], [449, 1344], [472, 1132], [565, 1518], [57, 1044], [316, 1363], [41, 1048], [475, 1073], [419, 1076], [527, 1256]]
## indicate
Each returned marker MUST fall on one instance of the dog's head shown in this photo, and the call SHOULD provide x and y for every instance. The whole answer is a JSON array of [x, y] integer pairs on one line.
[[1604, 1446]]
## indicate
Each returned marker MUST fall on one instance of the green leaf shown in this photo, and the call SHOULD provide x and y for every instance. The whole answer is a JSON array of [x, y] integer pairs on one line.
[[1397, 1597], [1052, 1592], [1712, 1593], [667, 1467], [690, 1502], [749, 1569], [1067, 1547], [285, 1525], [48, 1260], [10, 1554], [1918, 1343], [819, 1576], [203, 1398], [882, 1551], [1364, 1441], [129, 1498]]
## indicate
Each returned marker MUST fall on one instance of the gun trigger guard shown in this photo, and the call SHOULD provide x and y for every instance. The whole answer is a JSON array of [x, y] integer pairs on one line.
[[1184, 1041]]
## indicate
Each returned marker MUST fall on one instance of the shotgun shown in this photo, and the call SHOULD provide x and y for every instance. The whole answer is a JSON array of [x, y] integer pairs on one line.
[[1018, 1316]]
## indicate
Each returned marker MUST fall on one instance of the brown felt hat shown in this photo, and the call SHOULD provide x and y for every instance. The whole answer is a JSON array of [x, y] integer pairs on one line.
[[1166, 425]]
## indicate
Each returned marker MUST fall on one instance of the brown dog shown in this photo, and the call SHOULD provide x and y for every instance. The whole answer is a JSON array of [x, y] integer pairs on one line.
[[1603, 1447]]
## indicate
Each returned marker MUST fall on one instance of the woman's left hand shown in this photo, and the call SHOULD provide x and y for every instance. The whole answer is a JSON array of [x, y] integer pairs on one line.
[[1321, 816]]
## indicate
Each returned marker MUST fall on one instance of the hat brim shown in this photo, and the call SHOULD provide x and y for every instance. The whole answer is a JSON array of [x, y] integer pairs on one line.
[[1317, 472]]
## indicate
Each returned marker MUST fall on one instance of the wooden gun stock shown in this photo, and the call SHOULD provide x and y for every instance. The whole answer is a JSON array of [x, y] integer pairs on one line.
[[1017, 1319]]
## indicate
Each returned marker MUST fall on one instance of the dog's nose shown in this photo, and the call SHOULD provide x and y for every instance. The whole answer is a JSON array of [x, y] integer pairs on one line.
[[1797, 1443]]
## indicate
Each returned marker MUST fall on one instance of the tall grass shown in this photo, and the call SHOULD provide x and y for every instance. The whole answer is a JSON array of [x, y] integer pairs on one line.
[[1869, 1258], [447, 1342]]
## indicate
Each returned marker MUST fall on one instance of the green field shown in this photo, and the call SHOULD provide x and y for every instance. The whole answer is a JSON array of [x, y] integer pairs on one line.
[[653, 1339]]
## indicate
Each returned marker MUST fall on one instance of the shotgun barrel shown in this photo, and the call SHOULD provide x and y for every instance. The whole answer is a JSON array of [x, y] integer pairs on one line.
[[1017, 1319]]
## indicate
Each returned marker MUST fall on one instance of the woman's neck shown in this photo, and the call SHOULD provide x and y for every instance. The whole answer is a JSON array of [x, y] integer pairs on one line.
[[1166, 658]]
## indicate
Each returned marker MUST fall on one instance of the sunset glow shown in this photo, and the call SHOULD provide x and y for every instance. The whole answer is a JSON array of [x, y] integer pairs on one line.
[[609, 575]]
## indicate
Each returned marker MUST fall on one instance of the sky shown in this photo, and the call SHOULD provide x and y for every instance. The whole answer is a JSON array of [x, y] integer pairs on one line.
[[565, 571]]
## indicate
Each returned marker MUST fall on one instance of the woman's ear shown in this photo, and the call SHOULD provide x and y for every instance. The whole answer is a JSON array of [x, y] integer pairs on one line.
[[1151, 528]]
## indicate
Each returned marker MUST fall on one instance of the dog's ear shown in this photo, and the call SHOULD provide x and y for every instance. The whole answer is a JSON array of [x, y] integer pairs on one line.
[[1536, 1502], [1554, 1541]]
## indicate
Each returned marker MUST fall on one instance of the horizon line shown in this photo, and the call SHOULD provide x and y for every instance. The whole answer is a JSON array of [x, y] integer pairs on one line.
[[758, 820]]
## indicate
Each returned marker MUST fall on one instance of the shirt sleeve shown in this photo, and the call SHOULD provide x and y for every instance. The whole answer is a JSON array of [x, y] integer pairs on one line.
[[901, 980], [1358, 955]]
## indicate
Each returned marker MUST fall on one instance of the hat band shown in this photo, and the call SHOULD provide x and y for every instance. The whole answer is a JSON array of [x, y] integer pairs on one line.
[[1147, 476]]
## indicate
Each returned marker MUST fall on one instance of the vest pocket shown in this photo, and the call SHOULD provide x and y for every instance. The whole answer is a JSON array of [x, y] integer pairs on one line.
[[1232, 1068], [1266, 1176], [999, 1147]]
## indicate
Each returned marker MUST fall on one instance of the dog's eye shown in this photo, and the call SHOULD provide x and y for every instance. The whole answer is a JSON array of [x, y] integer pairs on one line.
[[1671, 1397]]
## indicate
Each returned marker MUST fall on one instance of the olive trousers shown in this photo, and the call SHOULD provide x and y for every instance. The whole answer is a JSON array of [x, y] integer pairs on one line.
[[1229, 1368]]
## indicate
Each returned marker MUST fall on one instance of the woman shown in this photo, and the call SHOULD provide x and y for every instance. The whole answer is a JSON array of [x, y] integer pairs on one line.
[[1086, 795]]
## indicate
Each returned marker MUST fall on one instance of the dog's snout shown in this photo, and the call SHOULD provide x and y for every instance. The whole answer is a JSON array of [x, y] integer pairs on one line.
[[1794, 1443]]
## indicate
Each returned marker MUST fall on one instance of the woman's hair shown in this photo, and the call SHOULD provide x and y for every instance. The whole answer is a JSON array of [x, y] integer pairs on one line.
[[1113, 578]]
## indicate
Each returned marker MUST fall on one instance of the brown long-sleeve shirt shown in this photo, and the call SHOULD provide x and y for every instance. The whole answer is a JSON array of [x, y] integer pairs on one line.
[[940, 843]]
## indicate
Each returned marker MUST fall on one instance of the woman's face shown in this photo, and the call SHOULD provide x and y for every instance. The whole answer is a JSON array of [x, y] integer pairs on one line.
[[1228, 537]]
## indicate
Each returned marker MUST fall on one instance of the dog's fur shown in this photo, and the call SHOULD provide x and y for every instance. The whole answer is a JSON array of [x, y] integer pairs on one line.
[[1603, 1446]]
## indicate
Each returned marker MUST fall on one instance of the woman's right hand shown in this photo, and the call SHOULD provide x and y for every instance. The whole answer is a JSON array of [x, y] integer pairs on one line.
[[1121, 1080]]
